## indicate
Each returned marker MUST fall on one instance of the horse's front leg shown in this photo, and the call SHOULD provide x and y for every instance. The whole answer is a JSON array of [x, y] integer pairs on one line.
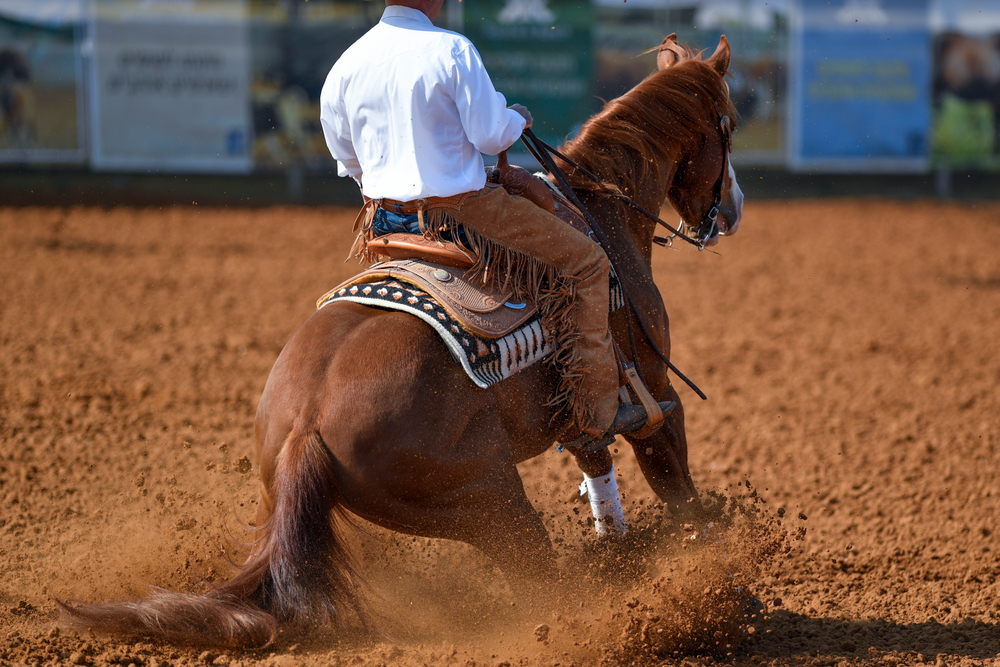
[[662, 457]]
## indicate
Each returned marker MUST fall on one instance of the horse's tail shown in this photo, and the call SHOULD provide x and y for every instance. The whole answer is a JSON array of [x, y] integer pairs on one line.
[[298, 573]]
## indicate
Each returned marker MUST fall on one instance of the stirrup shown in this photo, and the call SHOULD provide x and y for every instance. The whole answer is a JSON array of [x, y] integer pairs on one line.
[[629, 418]]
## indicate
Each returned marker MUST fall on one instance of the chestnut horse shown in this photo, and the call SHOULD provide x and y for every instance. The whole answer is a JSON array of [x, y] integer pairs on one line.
[[366, 412]]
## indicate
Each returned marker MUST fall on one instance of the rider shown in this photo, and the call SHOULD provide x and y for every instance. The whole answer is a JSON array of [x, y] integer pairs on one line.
[[407, 111]]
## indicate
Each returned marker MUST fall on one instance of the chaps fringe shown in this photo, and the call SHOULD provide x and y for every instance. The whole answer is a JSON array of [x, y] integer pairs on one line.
[[506, 269]]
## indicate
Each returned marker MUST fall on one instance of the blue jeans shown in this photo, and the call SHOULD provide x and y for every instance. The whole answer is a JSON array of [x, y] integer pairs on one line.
[[388, 222]]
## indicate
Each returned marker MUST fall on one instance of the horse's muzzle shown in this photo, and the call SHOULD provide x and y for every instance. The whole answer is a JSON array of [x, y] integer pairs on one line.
[[729, 221]]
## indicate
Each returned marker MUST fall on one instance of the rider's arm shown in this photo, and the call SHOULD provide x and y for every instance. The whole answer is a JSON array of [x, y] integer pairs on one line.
[[490, 126], [336, 129]]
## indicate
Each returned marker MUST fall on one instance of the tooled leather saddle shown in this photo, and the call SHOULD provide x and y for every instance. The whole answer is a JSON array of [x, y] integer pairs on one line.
[[439, 267]]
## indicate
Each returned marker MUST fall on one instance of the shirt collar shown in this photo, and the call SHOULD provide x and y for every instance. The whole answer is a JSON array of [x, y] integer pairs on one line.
[[399, 11]]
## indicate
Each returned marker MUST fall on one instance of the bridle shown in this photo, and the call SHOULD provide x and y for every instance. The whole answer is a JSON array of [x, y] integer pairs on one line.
[[707, 227], [709, 224], [542, 152]]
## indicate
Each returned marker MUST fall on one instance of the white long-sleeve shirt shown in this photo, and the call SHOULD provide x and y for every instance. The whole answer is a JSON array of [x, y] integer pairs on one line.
[[411, 107]]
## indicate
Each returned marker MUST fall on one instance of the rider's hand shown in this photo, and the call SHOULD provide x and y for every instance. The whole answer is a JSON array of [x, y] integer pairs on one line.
[[521, 109]]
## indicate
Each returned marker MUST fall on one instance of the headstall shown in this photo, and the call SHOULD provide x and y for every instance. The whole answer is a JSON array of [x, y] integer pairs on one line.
[[709, 222]]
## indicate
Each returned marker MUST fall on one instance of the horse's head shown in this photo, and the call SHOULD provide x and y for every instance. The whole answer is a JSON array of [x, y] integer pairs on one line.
[[704, 189]]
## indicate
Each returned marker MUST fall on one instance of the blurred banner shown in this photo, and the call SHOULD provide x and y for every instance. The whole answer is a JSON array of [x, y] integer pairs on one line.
[[233, 85], [757, 31], [41, 82], [966, 102], [861, 86], [538, 53], [293, 47], [170, 82]]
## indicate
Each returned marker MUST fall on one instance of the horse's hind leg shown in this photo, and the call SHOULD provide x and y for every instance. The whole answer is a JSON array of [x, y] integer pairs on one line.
[[489, 511], [478, 499], [420, 450], [502, 523]]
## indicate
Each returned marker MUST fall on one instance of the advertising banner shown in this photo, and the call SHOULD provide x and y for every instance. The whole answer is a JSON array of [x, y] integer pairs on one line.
[[41, 83], [861, 86], [538, 53], [966, 94], [170, 84]]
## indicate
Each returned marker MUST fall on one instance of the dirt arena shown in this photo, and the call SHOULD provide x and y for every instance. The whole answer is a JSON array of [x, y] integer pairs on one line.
[[850, 350]]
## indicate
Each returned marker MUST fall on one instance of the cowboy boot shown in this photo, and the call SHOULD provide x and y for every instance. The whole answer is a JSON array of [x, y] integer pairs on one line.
[[629, 418]]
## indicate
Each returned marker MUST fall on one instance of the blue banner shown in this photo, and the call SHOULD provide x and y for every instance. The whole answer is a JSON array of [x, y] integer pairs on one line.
[[861, 86]]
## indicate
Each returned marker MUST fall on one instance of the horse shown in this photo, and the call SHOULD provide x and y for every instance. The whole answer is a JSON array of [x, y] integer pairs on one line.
[[365, 413]]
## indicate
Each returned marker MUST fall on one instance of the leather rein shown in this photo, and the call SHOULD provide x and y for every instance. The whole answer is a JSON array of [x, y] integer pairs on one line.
[[709, 222], [542, 152]]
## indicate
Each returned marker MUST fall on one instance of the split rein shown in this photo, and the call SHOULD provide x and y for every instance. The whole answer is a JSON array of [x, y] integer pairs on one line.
[[709, 222], [543, 153]]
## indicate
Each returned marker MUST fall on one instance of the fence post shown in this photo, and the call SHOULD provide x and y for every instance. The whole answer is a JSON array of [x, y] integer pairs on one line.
[[296, 183], [942, 180]]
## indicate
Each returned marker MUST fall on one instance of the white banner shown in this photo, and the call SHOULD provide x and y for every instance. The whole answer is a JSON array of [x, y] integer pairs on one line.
[[170, 85]]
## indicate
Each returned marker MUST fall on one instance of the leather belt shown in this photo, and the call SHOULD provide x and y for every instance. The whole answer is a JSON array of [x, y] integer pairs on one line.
[[363, 222], [418, 205]]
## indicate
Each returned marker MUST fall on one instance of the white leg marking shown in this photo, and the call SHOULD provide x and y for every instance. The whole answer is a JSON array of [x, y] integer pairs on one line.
[[605, 503]]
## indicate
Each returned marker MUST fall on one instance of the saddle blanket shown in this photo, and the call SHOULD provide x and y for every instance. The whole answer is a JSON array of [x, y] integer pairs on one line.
[[485, 360]]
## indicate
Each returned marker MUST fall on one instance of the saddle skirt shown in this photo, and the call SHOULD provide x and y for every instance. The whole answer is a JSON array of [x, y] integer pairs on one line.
[[478, 309], [490, 335]]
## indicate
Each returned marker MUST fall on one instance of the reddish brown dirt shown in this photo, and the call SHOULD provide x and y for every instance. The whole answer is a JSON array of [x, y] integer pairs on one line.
[[850, 350]]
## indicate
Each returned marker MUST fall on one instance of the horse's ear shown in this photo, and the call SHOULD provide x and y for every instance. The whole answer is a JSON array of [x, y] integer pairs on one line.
[[720, 59], [670, 52]]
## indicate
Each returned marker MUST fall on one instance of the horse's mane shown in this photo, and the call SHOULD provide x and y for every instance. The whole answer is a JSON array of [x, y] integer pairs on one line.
[[672, 107]]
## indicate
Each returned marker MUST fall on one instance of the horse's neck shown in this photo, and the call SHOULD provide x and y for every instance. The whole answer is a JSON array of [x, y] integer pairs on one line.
[[645, 184], [650, 193], [630, 232]]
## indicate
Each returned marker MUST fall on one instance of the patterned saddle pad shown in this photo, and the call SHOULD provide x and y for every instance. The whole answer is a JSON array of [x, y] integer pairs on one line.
[[490, 336]]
